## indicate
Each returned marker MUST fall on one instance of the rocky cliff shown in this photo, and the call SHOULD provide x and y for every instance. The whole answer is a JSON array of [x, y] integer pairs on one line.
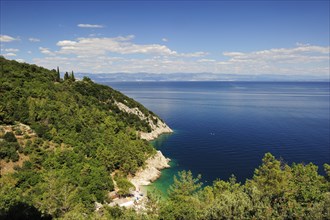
[[151, 171], [157, 126]]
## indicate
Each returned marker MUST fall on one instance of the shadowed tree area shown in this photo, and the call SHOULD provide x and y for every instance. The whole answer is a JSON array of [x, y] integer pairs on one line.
[[22, 211]]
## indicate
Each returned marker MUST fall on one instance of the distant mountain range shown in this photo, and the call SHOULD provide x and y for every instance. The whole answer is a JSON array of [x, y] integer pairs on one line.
[[110, 77]]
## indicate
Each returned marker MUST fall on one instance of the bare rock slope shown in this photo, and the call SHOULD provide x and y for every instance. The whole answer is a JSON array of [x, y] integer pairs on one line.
[[151, 172], [157, 126]]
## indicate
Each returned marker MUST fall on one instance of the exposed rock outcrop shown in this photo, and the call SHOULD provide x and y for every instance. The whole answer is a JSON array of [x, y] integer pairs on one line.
[[151, 172], [157, 126], [157, 130]]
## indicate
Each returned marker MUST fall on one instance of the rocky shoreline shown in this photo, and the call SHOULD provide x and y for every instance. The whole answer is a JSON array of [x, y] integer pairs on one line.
[[157, 130], [152, 170], [156, 163]]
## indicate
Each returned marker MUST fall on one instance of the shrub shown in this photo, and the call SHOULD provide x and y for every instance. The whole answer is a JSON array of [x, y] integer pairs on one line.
[[10, 137], [18, 132]]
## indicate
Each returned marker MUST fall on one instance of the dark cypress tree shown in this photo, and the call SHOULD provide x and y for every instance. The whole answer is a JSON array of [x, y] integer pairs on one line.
[[72, 77], [66, 76], [58, 75]]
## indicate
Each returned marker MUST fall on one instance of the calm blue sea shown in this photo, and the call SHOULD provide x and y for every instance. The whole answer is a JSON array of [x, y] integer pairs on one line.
[[224, 128]]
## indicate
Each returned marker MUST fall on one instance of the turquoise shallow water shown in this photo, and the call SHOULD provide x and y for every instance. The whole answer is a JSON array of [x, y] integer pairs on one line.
[[224, 128]]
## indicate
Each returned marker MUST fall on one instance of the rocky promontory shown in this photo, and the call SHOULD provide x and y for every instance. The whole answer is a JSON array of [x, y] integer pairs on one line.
[[157, 130], [151, 172], [157, 126]]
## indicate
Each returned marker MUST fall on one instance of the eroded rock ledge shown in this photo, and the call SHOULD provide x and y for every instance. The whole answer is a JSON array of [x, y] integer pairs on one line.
[[157, 126], [151, 172]]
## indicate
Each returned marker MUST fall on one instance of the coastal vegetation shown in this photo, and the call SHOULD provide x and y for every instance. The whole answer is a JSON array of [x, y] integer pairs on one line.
[[81, 136], [276, 191], [64, 138]]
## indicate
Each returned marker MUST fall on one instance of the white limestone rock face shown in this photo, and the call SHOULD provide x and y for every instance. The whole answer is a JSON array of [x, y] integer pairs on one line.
[[157, 128], [151, 172]]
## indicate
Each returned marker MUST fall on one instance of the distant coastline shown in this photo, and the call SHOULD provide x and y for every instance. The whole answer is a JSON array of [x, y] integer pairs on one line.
[[204, 77]]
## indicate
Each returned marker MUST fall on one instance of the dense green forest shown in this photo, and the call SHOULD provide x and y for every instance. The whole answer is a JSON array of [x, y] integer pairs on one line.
[[82, 137], [79, 136]]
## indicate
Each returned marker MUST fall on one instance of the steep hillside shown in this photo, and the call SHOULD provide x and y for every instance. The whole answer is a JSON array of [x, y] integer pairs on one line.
[[81, 136]]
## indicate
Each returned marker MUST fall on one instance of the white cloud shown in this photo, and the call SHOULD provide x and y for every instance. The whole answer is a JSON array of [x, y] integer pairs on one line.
[[165, 39], [11, 50], [106, 64], [95, 34], [302, 59], [232, 54], [64, 43], [10, 55], [29, 52], [206, 60], [7, 38], [120, 45], [301, 53], [195, 54], [90, 25], [121, 54], [46, 51], [32, 39], [20, 60]]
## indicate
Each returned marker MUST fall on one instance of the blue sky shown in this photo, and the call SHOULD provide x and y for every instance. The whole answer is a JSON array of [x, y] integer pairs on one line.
[[235, 37]]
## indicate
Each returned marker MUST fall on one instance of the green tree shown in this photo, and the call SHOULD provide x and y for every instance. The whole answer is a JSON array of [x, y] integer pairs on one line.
[[226, 200], [327, 171], [9, 137], [272, 177], [58, 77], [72, 77], [184, 185], [66, 76], [86, 79], [270, 189], [58, 196], [9, 194], [125, 186], [183, 200]]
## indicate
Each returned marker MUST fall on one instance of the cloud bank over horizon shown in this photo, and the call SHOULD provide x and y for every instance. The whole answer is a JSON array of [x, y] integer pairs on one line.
[[293, 44], [121, 54]]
